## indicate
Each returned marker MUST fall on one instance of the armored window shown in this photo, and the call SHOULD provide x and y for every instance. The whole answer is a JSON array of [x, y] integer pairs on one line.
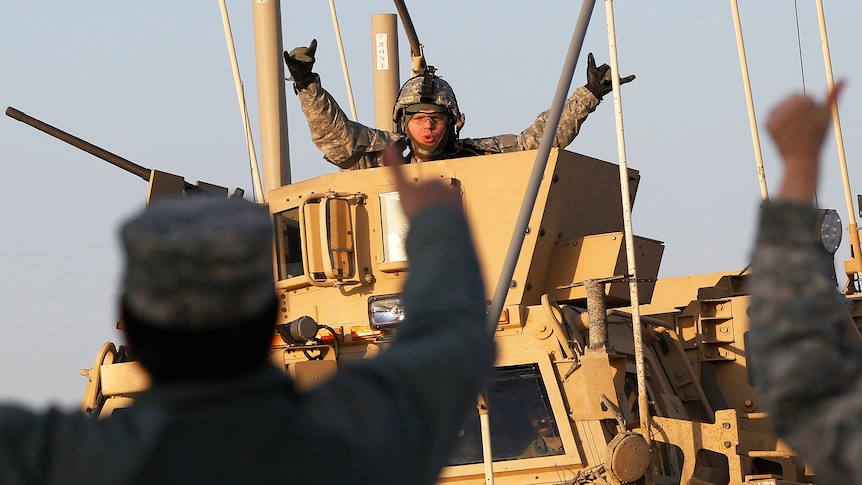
[[521, 420], [288, 244]]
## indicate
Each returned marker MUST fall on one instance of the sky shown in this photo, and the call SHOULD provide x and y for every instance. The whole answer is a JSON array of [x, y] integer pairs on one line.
[[152, 82]]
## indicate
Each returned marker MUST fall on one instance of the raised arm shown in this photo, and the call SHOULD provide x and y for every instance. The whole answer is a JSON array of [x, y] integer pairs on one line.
[[807, 357], [412, 398], [344, 143]]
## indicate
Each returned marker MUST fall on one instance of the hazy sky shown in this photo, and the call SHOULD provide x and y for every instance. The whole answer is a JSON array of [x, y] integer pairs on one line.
[[151, 81]]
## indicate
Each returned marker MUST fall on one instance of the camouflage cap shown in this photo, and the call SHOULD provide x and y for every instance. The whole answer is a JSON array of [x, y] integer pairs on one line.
[[197, 263]]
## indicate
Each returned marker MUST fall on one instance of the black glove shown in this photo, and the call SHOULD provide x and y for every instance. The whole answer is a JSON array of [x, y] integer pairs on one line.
[[299, 62], [599, 78]]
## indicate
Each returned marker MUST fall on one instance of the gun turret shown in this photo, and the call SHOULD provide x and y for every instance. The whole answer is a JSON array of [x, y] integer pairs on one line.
[[161, 183]]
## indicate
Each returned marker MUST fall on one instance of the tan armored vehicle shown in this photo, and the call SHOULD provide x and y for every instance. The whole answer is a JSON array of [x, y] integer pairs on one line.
[[565, 404]]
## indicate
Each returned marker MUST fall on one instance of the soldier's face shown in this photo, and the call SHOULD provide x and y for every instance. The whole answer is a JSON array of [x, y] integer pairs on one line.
[[427, 127], [544, 426]]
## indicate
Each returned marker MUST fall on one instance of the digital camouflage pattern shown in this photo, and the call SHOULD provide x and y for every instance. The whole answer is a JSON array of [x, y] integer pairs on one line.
[[198, 262], [539, 447], [351, 145], [410, 95], [807, 362]]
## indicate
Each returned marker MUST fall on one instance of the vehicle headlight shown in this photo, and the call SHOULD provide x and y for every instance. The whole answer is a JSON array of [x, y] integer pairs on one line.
[[830, 230], [385, 311]]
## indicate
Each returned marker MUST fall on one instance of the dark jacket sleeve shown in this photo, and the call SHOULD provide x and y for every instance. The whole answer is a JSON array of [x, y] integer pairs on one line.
[[405, 406], [23, 444], [805, 349]]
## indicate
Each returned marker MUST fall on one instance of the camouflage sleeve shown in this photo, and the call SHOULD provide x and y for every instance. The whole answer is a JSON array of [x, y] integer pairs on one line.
[[344, 143], [807, 363], [576, 109]]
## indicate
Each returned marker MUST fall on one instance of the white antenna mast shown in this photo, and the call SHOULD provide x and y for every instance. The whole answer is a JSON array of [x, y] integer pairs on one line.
[[752, 119], [343, 59], [852, 266], [260, 197]]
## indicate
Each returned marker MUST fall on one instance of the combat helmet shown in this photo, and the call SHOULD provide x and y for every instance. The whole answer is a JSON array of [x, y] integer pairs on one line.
[[432, 91]]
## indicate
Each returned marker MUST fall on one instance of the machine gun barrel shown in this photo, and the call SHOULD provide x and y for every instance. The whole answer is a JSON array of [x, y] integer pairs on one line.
[[88, 147]]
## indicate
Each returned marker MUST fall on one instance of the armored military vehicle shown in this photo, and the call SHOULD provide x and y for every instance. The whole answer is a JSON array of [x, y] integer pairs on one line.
[[592, 385]]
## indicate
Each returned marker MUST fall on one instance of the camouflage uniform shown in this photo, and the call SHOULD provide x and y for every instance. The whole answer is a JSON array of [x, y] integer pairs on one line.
[[539, 447], [391, 419], [807, 363], [350, 145]]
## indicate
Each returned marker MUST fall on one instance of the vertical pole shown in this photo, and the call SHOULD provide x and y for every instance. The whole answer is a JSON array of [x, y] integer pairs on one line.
[[501, 291], [746, 82], [643, 398], [534, 183], [853, 265], [485, 429], [384, 45], [597, 311], [270, 93], [259, 195], [343, 60]]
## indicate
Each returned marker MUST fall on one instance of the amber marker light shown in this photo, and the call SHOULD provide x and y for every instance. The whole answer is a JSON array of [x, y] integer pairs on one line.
[[327, 336], [364, 331], [504, 317]]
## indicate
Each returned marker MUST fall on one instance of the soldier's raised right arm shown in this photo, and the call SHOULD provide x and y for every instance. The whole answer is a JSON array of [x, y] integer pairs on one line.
[[805, 350], [344, 143]]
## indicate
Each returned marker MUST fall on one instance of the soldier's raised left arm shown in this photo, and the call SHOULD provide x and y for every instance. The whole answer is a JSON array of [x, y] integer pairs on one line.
[[578, 106]]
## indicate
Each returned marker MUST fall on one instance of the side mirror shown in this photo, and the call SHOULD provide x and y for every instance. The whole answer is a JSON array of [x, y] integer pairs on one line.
[[338, 244], [328, 245]]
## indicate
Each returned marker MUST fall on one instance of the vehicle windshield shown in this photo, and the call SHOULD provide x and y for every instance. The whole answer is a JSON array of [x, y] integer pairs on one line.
[[521, 420]]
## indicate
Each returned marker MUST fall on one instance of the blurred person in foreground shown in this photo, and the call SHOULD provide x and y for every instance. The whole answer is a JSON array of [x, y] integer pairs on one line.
[[199, 309], [806, 351]]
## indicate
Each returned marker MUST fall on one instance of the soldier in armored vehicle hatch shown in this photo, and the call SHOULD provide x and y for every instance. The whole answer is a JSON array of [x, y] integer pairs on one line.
[[427, 118]]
